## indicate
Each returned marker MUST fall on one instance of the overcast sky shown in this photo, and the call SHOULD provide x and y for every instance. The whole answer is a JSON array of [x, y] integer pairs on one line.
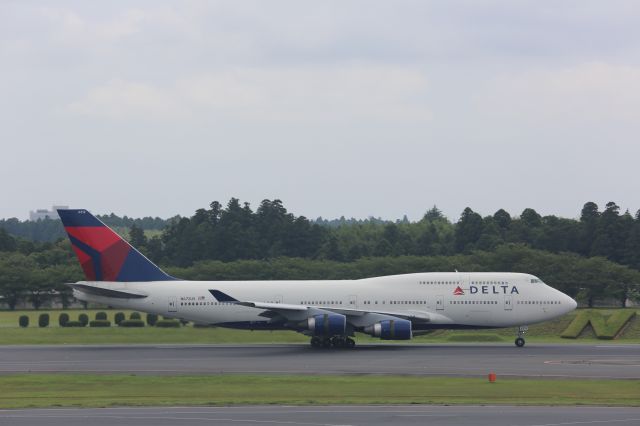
[[352, 108]]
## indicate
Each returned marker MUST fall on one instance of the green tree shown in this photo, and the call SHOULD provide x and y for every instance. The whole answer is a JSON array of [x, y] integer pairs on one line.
[[434, 215], [502, 219], [589, 217], [468, 230], [609, 235], [531, 218], [15, 270], [333, 250], [137, 238], [632, 244], [383, 248], [7, 242], [491, 235], [427, 241]]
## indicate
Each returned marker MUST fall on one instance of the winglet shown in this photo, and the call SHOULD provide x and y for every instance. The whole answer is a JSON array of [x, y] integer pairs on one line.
[[222, 297]]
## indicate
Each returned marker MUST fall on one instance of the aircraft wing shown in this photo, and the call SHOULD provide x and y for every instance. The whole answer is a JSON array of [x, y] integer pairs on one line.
[[297, 312]]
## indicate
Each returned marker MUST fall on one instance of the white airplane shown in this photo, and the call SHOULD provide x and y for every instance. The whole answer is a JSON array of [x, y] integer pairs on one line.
[[395, 307]]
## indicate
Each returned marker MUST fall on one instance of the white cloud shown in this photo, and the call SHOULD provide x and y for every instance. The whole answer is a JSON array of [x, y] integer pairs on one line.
[[125, 100], [578, 95], [294, 94], [70, 28], [508, 83]]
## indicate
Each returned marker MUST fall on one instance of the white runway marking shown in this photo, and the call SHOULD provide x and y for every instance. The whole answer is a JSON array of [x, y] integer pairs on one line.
[[586, 422]]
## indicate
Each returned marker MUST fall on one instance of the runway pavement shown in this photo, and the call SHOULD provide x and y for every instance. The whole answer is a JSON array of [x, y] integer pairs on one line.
[[327, 416], [534, 360]]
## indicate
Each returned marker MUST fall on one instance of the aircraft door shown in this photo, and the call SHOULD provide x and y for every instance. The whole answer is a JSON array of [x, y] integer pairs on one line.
[[508, 303], [353, 302], [439, 303], [173, 304]]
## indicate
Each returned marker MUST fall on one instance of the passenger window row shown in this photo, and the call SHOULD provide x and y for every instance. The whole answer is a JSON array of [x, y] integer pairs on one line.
[[204, 303], [369, 302], [395, 302]]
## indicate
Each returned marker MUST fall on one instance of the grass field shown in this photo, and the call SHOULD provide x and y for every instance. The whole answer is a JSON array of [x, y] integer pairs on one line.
[[10, 333], [22, 391]]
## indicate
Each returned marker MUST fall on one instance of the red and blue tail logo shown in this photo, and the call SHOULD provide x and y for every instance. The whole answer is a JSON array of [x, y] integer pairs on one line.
[[103, 254]]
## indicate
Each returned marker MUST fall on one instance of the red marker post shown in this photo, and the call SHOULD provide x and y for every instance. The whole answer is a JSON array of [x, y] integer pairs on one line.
[[492, 377]]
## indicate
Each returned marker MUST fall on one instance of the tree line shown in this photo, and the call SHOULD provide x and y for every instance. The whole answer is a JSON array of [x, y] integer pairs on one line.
[[237, 232], [50, 230], [593, 257]]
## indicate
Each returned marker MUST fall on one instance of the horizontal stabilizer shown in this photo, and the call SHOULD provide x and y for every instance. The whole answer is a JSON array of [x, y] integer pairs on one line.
[[107, 292]]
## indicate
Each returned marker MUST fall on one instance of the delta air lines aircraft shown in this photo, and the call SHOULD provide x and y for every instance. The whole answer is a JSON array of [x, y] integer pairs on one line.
[[395, 307]]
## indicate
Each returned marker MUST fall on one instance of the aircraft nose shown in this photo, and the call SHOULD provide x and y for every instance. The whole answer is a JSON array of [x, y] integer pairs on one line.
[[570, 303]]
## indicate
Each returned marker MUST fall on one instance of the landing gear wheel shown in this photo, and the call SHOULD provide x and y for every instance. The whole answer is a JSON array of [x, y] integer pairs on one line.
[[316, 342], [326, 342], [349, 343], [338, 342], [521, 332]]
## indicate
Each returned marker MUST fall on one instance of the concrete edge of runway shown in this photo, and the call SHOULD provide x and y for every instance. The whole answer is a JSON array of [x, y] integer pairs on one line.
[[328, 415], [361, 345]]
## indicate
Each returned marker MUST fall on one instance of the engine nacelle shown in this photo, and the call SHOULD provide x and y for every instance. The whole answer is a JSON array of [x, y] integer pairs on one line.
[[327, 324], [398, 329]]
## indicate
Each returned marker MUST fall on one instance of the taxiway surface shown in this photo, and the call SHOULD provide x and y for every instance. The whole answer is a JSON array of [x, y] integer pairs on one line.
[[327, 416], [534, 360]]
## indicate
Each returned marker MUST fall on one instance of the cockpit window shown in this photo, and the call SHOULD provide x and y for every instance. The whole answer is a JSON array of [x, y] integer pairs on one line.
[[535, 280]]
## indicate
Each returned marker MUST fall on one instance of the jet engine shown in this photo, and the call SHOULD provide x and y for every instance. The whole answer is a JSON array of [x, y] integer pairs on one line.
[[397, 329], [327, 324]]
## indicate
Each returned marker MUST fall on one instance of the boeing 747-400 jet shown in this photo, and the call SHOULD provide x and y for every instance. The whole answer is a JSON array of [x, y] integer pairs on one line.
[[393, 307]]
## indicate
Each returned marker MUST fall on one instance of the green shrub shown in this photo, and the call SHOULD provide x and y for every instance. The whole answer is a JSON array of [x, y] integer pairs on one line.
[[606, 329], [101, 316], [84, 319], [576, 326], [100, 323], [43, 320], [168, 323], [63, 319], [131, 323], [118, 318], [135, 316], [75, 324], [152, 319], [23, 321]]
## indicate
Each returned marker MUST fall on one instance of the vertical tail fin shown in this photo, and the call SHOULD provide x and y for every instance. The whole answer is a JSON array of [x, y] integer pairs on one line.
[[103, 254]]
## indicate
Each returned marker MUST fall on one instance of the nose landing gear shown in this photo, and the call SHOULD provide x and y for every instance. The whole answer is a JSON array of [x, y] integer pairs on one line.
[[521, 332]]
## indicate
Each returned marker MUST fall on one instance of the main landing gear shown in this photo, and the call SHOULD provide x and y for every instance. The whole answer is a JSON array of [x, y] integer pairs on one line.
[[332, 342], [520, 339]]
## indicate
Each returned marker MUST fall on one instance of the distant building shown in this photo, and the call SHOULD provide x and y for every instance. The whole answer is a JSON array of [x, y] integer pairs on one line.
[[42, 214]]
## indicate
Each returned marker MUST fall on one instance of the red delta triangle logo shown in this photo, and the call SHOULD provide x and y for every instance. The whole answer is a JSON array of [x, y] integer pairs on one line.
[[458, 291]]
